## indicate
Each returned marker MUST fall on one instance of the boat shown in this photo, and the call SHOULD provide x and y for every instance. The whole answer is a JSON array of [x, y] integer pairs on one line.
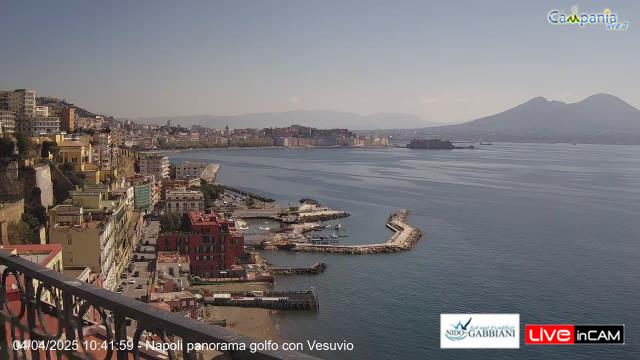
[[264, 228], [485, 143]]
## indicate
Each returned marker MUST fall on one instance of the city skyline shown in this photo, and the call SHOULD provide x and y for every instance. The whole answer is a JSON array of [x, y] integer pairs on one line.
[[444, 63]]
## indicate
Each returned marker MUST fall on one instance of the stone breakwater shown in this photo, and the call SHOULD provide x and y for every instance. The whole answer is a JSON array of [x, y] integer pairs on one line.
[[405, 237]]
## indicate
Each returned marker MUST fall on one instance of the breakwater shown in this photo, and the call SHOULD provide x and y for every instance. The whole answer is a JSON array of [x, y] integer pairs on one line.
[[405, 236], [316, 268], [247, 193]]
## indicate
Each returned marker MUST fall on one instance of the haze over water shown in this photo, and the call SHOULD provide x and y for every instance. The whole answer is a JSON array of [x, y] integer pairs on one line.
[[547, 231]]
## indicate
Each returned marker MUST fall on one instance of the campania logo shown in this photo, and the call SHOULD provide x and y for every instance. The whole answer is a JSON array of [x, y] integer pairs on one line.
[[607, 18]]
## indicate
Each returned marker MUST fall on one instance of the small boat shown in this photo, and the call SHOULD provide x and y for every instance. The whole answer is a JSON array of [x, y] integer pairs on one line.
[[264, 228]]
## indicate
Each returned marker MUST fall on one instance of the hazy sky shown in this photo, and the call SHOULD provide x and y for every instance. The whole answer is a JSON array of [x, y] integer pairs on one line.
[[443, 60]]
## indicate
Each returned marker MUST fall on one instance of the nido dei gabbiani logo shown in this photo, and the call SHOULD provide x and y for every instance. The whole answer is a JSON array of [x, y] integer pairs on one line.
[[607, 18], [461, 330]]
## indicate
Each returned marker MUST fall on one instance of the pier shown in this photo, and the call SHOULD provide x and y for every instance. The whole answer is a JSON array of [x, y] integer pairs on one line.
[[405, 237], [275, 300], [209, 173], [316, 268]]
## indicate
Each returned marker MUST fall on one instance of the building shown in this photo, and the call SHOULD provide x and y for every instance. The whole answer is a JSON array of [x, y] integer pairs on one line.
[[154, 164], [37, 125], [177, 301], [7, 122], [212, 243], [42, 110], [47, 255], [85, 242], [183, 201], [68, 118], [75, 152], [20, 101], [189, 169], [95, 231]]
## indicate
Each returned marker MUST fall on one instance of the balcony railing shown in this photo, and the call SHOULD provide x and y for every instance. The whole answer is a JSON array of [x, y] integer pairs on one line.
[[79, 309]]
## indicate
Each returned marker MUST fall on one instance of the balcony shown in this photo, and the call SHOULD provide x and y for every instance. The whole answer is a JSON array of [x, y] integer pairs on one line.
[[94, 323]]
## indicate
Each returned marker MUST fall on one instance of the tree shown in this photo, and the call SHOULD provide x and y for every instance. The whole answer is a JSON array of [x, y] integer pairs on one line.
[[170, 222], [24, 145], [49, 147], [21, 233], [7, 146]]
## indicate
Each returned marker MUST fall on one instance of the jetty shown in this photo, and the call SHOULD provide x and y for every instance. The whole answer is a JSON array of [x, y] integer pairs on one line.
[[275, 300], [210, 172], [405, 236], [316, 268]]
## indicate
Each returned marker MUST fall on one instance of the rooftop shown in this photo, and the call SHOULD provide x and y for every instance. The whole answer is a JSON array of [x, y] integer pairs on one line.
[[172, 257]]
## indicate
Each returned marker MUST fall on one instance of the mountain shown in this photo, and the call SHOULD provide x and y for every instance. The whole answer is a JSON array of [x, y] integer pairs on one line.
[[319, 119], [601, 118]]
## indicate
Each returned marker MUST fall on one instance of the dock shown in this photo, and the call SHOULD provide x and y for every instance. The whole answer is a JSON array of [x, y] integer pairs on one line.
[[274, 300], [316, 268], [405, 236]]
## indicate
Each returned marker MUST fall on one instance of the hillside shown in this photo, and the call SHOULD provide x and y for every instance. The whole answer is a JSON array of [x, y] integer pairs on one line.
[[59, 103]]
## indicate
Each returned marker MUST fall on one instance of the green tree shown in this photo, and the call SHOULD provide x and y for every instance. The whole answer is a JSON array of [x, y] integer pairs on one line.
[[24, 145], [21, 233], [6, 147], [49, 147], [170, 222]]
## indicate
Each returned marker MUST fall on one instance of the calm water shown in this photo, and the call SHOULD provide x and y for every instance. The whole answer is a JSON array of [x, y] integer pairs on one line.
[[547, 231]]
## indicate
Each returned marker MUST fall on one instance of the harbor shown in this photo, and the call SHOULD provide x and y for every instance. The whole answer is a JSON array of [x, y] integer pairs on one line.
[[405, 236]]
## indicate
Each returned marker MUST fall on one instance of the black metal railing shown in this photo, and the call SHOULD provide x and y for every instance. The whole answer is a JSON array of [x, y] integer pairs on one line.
[[80, 310]]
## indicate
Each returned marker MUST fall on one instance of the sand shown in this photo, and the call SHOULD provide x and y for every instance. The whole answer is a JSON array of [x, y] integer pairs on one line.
[[252, 322]]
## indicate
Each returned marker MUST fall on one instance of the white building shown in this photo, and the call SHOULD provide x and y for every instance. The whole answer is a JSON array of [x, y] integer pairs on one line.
[[154, 164], [183, 201], [42, 110]]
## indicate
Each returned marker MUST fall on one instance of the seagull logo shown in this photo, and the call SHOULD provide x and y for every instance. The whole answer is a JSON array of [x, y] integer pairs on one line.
[[459, 331], [459, 325]]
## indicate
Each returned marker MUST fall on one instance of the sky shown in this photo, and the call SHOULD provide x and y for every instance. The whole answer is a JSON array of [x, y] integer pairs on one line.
[[446, 61]]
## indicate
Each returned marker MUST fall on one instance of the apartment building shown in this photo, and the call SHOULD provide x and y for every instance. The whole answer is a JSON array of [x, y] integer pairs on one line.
[[188, 169], [212, 244], [37, 125], [20, 101], [42, 110], [68, 118], [7, 122], [183, 201], [154, 164]]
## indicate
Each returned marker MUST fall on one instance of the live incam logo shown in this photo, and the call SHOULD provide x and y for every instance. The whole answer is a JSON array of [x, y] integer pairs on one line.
[[565, 334]]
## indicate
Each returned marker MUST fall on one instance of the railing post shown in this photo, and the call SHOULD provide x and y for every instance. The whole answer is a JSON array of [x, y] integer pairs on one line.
[[120, 331], [67, 315], [31, 302]]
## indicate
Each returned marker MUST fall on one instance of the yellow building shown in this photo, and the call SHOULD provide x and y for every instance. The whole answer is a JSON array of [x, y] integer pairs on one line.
[[75, 152]]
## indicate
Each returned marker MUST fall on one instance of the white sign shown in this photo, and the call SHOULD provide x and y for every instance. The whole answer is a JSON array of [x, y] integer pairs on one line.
[[479, 331]]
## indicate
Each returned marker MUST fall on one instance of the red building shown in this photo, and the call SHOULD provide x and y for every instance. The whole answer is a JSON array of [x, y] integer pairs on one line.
[[213, 243]]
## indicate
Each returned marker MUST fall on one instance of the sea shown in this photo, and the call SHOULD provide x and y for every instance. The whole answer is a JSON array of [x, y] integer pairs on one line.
[[548, 231]]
